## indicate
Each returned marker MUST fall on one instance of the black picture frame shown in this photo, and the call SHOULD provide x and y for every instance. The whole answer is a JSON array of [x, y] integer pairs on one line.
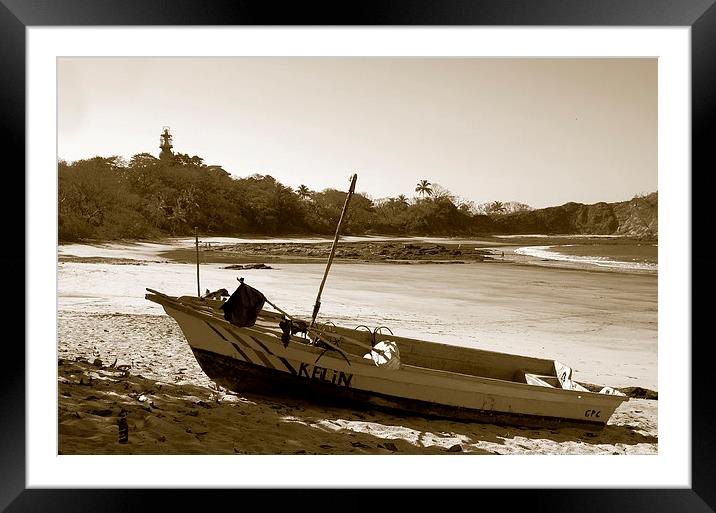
[[699, 15]]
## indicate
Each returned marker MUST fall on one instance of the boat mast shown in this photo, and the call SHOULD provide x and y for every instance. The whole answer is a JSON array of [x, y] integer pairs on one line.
[[317, 306], [196, 242]]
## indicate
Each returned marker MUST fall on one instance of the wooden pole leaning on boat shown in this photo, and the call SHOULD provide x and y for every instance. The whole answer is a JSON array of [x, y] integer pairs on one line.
[[279, 310], [317, 306]]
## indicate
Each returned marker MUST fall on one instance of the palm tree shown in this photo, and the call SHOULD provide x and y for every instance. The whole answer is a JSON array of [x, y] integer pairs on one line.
[[496, 207], [423, 188], [402, 200], [303, 192]]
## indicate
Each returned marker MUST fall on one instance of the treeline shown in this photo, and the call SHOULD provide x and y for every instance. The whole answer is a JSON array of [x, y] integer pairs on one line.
[[109, 198]]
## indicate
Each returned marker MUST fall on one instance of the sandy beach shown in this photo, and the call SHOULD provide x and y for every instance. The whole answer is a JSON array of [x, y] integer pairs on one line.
[[169, 418], [118, 358]]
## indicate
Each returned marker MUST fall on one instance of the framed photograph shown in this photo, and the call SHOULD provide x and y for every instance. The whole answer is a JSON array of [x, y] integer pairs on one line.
[[545, 147]]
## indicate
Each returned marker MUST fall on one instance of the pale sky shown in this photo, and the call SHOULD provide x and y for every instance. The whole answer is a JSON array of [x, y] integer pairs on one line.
[[541, 131]]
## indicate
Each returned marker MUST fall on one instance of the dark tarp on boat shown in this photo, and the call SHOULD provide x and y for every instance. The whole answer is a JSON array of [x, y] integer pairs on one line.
[[243, 307]]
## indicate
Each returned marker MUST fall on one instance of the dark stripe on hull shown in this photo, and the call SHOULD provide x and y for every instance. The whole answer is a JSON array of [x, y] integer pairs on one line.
[[238, 350], [261, 344], [248, 378], [216, 331], [238, 339], [264, 359], [288, 366]]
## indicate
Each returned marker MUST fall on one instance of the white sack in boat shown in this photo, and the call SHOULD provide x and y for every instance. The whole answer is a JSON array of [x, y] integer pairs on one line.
[[385, 354], [611, 391], [564, 376]]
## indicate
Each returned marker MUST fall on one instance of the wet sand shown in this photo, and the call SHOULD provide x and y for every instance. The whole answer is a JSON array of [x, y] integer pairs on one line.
[[608, 320]]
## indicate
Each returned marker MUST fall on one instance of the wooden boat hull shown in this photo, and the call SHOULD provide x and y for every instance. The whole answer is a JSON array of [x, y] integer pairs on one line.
[[254, 360], [246, 378]]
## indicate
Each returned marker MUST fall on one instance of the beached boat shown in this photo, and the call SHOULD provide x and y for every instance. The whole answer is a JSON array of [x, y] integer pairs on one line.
[[421, 377], [250, 349]]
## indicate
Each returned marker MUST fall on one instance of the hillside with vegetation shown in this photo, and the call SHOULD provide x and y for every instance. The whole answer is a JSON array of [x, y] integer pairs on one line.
[[637, 217], [145, 197]]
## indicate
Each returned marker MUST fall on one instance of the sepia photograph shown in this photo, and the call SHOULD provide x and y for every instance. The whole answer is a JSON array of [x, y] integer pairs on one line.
[[357, 256]]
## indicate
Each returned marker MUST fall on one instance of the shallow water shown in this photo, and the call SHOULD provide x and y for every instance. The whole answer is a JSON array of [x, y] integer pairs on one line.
[[624, 257]]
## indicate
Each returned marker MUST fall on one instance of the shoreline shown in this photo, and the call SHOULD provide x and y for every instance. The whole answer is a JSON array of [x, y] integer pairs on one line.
[[260, 238], [396, 251]]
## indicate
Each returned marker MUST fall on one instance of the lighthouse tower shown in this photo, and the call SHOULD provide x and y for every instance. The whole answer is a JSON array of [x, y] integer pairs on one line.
[[165, 144]]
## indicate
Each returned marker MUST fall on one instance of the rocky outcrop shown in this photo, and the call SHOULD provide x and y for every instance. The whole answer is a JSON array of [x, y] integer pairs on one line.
[[637, 217]]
